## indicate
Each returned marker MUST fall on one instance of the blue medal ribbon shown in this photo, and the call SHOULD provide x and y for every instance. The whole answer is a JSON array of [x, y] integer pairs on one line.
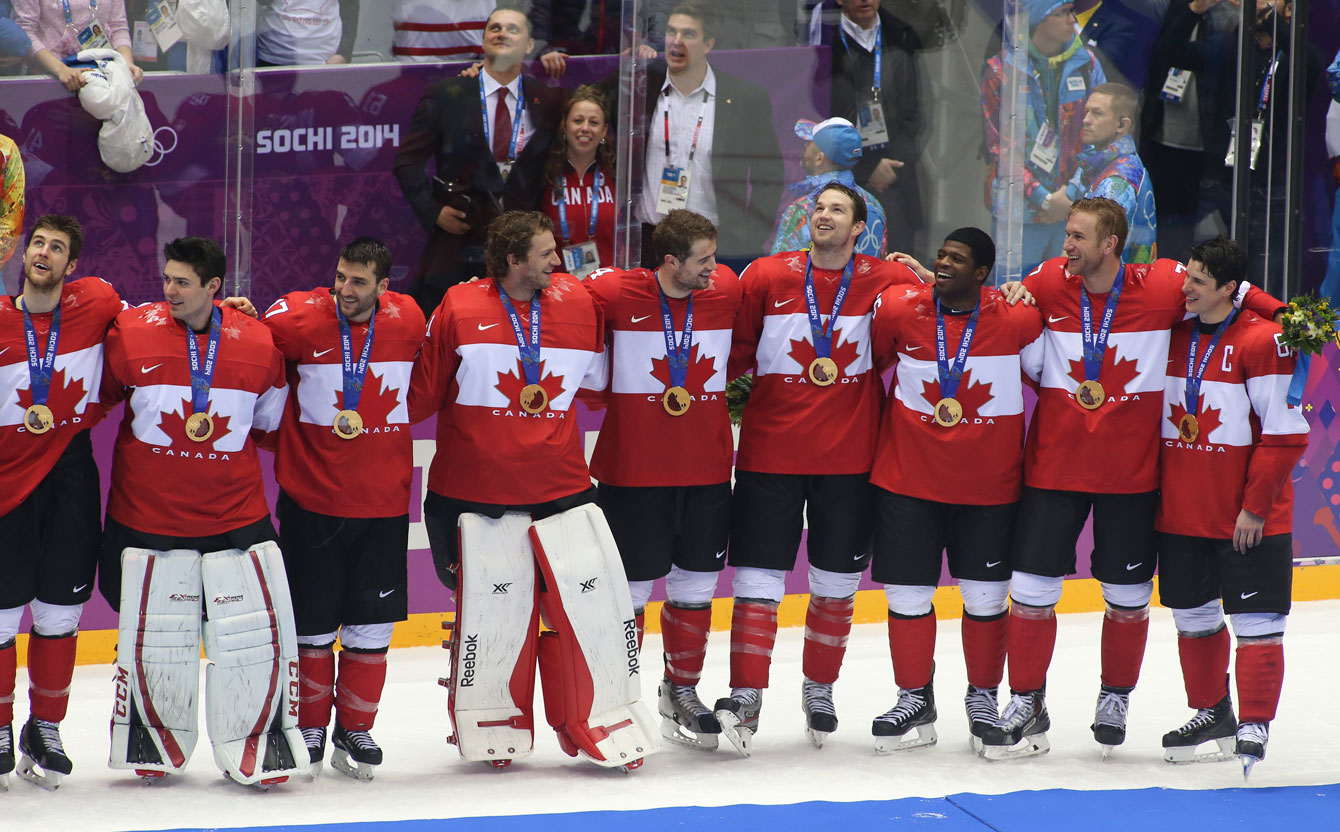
[[354, 373], [202, 376], [951, 375], [1195, 371], [529, 349], [594, 206], [676, 355], [823, 336], [516, 119], [40, 370], [1096, 346]]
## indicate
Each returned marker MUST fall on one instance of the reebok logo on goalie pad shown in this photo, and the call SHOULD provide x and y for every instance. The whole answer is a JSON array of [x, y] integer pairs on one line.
[[630, 639], [589, 586], [468, 659]]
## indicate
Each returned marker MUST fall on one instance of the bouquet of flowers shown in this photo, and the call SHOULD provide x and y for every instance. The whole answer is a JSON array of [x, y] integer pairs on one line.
[[1309, 325], [737, 394]]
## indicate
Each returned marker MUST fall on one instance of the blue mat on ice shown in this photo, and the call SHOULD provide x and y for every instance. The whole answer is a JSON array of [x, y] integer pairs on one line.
[[1055, 810]]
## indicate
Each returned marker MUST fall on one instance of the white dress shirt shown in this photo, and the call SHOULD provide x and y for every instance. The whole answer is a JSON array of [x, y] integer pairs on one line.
[[491, 95], [684, 111]]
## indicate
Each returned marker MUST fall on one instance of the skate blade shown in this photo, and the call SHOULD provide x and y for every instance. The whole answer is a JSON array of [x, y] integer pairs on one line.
[[1033, 746], [314, 769], [816, 738], [1189, 754], [1248, 761], [150, 776], [976, 745], [740, 737], [925, 736], [341, 762], [499, 764], [4, 782], [1107, 750], [677, 734], [29, 770]]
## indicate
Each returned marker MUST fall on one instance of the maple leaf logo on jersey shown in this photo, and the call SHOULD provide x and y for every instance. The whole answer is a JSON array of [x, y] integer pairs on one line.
[[376, 403], [701, 369], [391, 310], [972, 395], [1115, 373], [795, 262], [510, 384], [844, 355], [174, 425], [154, 315], [1207, 420], [63, 396]]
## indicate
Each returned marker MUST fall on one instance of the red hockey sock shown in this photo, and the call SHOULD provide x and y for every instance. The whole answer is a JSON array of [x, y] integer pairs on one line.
[[827, 626], [912, 647], [1125, 632], [1204, 667], [316, 685], [358, 687], [9, 666], [984, 649], [753, 631], [641, 618], [1260, 671], [50, 666], [684, 634], [1031, 642]]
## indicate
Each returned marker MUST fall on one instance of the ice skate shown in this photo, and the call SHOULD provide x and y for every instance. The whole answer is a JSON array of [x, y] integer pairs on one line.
[[816, 700], [738, 716], [1021, 730], [983, 709], [6, 756], [315, 740], [357, 746], [1216, 724], [685, 720], [915, 711], [1251, 744], [42, 762], [1109, 717]]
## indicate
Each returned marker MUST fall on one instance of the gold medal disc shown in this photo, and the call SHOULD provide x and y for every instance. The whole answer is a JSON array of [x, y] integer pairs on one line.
[[823, 371], [534, 398], [676, 401], [1188, 429], [948, 412], [38, 418], [199, 427], [1090, 395], [348, 424]]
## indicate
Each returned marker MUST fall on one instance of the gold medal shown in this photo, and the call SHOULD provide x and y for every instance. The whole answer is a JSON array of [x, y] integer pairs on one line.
[[948, 412], [1090, 394], [348, 424], [1188, 429], [38, 418], [676, 401], [823, 371], [534, 398], [199, 427]]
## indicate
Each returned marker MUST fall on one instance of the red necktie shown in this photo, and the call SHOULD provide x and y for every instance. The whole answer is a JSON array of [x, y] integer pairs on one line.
[[502, 127]]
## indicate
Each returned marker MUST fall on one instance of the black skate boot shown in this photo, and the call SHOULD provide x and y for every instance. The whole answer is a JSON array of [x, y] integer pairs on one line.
[[1109, 717], [915, 711], [738, 716], [983, 708], [1021, 730], [315, 740], [1251, 744], [357, 746], [1215, 724], [42, 761], [685, 720], [816, 700]]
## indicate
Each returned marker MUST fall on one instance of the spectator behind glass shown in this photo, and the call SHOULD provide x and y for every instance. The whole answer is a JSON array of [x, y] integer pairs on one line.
[[54, 39], [440, 30], [1121, 38], [305, 32], [580, 159], [832, 149], [578, 27], [14, 42]]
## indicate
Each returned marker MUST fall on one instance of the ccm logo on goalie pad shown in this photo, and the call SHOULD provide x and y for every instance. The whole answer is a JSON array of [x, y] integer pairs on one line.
[[630, 641], [468, 659], [122, 692]]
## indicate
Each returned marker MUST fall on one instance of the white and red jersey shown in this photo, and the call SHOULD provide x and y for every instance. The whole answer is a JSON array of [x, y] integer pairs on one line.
[[314, 466], [1114, 449], [470, 374], [162, 481], [579, 192], [792, 426], [1249, 440], [640, 444], [88, 305], [978, 461]]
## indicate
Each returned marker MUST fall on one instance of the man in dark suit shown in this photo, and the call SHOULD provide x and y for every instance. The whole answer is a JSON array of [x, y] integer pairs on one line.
[[489, 137]]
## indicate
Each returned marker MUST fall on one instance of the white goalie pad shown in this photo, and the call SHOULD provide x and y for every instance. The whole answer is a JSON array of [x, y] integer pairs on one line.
[[251, 710], [493, 641], [154, 721], [597, 631]]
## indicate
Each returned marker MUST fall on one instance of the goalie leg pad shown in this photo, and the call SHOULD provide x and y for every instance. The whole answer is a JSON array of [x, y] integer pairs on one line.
[[586, 595], [154, 721], [251, 682], [494, 640]]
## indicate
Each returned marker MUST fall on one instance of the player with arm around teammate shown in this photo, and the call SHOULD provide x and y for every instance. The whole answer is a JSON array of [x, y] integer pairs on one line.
[[1230, 441]]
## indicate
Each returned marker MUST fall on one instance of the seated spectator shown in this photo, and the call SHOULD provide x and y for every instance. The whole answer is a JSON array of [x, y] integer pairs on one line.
[[14, 42], [579, 184], [832, 149], [59, 29], [432, 30], [305, 32]]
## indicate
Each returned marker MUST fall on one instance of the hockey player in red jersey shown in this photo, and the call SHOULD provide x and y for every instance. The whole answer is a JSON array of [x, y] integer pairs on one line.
[[1229, 443], [806, 446], [957, 404], [663, 458], [349, 351], [1092, 446]]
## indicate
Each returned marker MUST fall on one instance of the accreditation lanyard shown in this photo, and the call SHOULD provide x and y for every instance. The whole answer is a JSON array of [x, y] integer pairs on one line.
[[202, 376], [516, 119], [1195, 371], [676, 355], [594, 208], [1267, 85], [1096, 346], [879, 51], [951, 375], [69, 16], [40, 370], [823, 336], [529, 349], [354, 373], [693, 148]]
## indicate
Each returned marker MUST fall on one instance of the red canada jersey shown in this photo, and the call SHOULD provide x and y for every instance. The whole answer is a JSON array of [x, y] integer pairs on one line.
[[1113, 449], [979, 460], [313, 464], [469, 372], [88, 306], [640, 442], [579, 192], [1249, 437], [162, 481], [790, 425]]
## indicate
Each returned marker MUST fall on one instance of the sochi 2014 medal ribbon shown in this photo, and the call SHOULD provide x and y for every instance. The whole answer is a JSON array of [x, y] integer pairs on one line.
[[1090, 393], [1189, 427], [199, 426], [38, 418], [949, 411], [676, 399], [823, 370], [533, 398], [348, 424]]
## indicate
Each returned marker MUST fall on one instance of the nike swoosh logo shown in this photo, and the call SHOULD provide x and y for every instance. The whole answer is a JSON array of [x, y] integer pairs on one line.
[[639, 319], [1131, 566], [778, 304], [5, 350], [384, 594], [82, 586], [1051, 319], [912, 349], [319, 353], [483, 327], [721, 554], [147, 370], [991, 564], [1244, 596]]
